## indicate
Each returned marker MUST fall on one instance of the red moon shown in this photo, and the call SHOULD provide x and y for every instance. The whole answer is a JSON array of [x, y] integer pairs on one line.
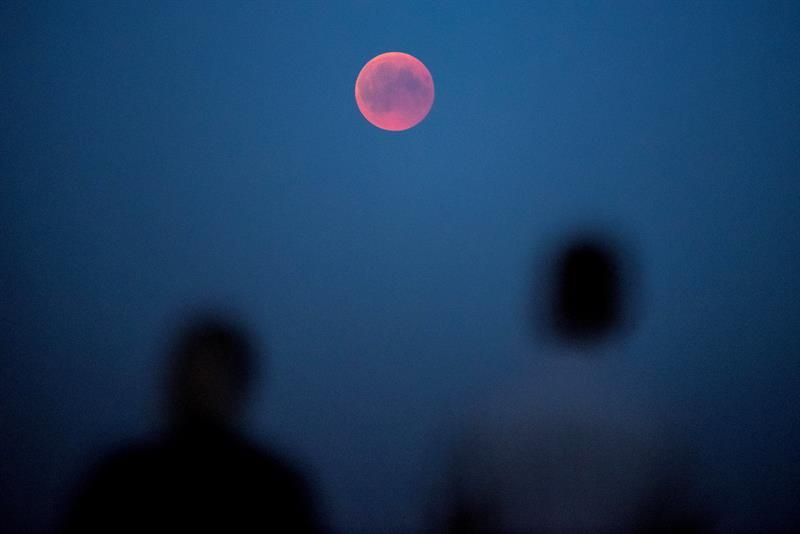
[[394, 91]]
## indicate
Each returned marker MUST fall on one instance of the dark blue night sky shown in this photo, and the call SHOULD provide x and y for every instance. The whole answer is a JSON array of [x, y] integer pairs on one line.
[[158, 156]]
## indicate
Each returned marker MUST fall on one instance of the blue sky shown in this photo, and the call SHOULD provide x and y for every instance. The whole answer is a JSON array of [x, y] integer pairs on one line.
[[157, 156]]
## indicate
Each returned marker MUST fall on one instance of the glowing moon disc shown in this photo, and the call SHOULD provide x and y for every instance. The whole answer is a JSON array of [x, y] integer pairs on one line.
[[394, 91]]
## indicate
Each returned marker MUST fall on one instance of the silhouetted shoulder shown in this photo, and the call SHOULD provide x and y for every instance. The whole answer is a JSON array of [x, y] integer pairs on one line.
[[110, 483], [286, 483], [219, 484]]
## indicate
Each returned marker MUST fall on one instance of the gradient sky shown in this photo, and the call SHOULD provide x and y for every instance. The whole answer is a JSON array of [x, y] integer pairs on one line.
[[156, 156]]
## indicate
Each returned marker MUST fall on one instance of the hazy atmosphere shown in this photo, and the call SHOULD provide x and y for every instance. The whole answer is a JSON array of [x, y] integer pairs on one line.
[[156, 158]]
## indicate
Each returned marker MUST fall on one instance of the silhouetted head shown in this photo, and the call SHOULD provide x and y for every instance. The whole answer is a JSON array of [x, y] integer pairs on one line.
[[589, 289], [212, 367]]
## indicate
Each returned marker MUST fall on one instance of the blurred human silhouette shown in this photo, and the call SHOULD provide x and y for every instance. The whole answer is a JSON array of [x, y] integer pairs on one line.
[[575, 444], [588, 291], [203, 475]]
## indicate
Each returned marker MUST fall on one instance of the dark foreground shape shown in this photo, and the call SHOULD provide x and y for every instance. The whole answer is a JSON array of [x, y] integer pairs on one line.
[[202, 475]]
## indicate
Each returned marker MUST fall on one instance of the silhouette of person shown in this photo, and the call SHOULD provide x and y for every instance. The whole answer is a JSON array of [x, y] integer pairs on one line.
[[203, 474], [575, 444]]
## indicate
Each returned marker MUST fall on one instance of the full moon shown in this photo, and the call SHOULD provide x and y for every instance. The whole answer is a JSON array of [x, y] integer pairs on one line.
[[394, 91]]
